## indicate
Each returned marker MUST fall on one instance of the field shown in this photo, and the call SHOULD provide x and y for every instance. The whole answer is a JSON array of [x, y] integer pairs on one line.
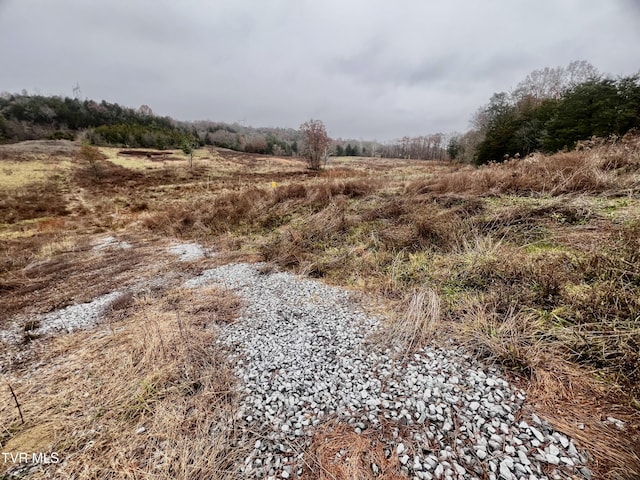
[[533, 264]]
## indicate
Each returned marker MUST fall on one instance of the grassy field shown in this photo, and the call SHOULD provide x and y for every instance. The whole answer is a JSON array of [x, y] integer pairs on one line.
[[533, 264]]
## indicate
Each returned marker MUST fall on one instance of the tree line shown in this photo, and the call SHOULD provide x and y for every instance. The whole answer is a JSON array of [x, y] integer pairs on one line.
[[32, 117], [551, 110]]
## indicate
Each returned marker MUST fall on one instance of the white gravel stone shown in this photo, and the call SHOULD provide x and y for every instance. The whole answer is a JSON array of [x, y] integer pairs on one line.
[[75, 317], [188, 252], [302, 356]]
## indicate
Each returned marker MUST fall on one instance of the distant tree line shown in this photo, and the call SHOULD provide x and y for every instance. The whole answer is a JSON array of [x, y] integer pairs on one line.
[[552, 109], [31, 117], [349, 150], [266, 141], [423, 147]]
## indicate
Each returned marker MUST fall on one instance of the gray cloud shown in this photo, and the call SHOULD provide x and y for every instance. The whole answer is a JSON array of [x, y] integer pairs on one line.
[[368, 68]]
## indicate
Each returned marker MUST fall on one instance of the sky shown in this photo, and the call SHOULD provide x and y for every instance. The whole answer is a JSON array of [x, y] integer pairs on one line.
[[369, 69]]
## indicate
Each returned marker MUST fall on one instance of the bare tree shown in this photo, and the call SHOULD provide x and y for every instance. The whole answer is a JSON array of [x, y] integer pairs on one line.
[[145, 110], [316, 142], [554, 82]]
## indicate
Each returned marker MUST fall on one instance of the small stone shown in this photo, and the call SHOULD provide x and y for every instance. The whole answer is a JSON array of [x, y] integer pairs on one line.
[[553, 450], [619, 424], [552, 459], [523, 458], [474, 406], [140, 430], [567, 461], [461, 470], [586, 473], [572, 450], [505, 472], [537, 434], [404, 459], [481, 454], [564, 441], [400, 448]]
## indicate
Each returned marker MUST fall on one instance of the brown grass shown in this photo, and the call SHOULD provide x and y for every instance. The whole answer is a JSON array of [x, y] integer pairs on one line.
[[532, 264], [417, 324], [594, 171], [339, 453], [33, 201], [150, 395]]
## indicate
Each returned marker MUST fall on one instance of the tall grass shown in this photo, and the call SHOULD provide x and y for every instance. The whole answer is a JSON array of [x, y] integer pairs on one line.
[[149, 396]]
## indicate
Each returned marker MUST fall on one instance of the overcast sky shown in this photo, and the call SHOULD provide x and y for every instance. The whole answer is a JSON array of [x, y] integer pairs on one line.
[[370, 69]]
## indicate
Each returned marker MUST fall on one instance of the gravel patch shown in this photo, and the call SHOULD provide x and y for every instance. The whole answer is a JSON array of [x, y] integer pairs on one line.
[[111, 242], [65, 320], [10, 335], [187, 252], [302, 358], [75, 317]]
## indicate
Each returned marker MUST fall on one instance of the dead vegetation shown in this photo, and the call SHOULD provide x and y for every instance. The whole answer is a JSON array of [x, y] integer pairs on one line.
[[533, 264], [339, 452], [147, 395]]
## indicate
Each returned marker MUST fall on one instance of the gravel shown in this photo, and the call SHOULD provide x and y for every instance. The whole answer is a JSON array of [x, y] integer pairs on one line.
[[75, 317], [64, 320], [188, 252], [303, 357], [111, 242]]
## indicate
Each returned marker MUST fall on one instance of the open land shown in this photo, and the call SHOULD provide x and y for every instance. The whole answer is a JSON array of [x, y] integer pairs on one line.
[[248, 317]]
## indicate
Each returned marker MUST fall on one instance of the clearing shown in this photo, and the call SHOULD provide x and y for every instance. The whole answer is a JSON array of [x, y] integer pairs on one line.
[[249, 318]]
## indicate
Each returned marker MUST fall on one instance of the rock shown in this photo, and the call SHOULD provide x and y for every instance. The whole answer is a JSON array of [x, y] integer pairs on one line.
[[619, 424], [552, 459], [302, 358], [537, 434], [505, 471], [585, 472]]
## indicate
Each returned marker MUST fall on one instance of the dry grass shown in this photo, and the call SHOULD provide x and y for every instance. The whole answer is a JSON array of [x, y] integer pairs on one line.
[[34, 201], [16, 174], [149, 395], [418, 323], [339, 453], [533, 264], [597, 170]]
